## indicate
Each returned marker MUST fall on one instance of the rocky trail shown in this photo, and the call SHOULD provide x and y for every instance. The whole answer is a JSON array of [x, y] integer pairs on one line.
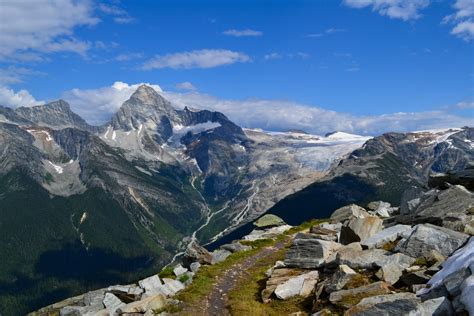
[[217, 300]]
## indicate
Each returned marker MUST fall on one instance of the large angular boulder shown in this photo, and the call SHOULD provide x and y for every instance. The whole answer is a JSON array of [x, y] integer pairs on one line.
[[277, 276], [358, 229], [362, 259], [385, 236], [467, 294], [269, 220], [426, 237], [219, 255], [112, 303], [340, 278], [400, 304], [347, 212], [456, 199], [196, 253], [308, 252], [348, 298], [382, 209], [148, 304], [179, 270], [151, 285], [302, 285]]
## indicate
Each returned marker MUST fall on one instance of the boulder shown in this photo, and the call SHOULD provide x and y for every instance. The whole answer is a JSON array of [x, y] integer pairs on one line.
[[112, 303], [410, 199], [269, 220], [362, 259], [456, 199], [412, 278], [340, 278], [467, 294], [358, 229], [194, 252], [235, 247], [324, 233], [454, 268], [151, 285], [179, 270], [278, 276], [148, 304], [219, 255], [390, 273], [385, 236], [308, 252], [400, 304], [194, 267], [273, 232], [348, 298], [174, 286], [426, 237], [347, 212], [382, 209], [302, 285]]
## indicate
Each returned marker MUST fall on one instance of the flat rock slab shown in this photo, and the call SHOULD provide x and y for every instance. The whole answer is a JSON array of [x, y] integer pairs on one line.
[[301, 285], [348, 298]]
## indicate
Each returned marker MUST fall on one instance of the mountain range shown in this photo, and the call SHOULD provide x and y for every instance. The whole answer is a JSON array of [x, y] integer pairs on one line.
[[83, 206]]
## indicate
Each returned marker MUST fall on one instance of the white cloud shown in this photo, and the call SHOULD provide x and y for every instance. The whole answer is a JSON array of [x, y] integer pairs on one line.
[[98, 105], [465, 105], [13, 99], [33, 27], [243, 33], [396, 9], [272, 56], [120, 15], [129, 56], [463, 19], [13, 75], [186, 86], [326, 32], [204, 58]]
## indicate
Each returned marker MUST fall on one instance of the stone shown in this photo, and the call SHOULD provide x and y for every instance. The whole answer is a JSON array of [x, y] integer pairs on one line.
[[385, 236], [258, 234], [151, 285], [427, 237], [269, 220], [380, 208], [453, 281], [150, 303], [112, 303], [410, 199], [308, 252], [456, 199], [277, 277], [179, 270], [194, 252], [302, 285], [348, 298], [335, 227], [219, 255], [235, 247], [400, 304], [195, 267], [366, 259], [173, 285], [347, 212], [463, 258], [340, 278], [467, 294], [324, 233], [418, 277], [359, 229], [390, 272], [469, 228]]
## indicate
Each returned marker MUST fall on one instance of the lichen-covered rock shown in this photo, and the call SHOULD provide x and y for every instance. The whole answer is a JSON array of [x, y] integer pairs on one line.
[[269, 220]]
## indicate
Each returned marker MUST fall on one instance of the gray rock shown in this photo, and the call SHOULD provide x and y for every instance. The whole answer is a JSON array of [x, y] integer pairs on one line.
[[438, 307], [467, 294], [151, 285], [301, 285], [235, 247], [367, 259], [359, 229], [219, 255], [456, 199], [340, 278], [112, 303], [385, 236], [427, 237], [418, 277], [347, 298], [410, 200], [453, 281], [390, 272], [195, 252], [380, 208], [149, 304], [347, 212], [308, 252], [179, 270], [195, 267], [173, 285], [277, 277]]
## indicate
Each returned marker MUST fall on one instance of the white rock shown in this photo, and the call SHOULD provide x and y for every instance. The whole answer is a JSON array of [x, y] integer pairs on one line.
[[173, 285], [179, 269], [112, 303], [151, 285], [301, 285], [195, 267]]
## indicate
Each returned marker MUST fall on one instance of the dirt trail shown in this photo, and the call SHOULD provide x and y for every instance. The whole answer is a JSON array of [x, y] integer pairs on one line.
[[217, 300]]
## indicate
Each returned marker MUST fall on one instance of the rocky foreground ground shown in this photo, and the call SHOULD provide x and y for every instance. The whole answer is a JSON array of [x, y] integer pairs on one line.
[[416, 259]]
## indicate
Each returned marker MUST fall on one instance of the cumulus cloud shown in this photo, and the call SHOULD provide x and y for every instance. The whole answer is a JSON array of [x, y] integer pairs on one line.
[[30, 28], [463, 19], [243, 33], [98, 105], [10, 98], [396, 9], [186, 86], [204, 58]]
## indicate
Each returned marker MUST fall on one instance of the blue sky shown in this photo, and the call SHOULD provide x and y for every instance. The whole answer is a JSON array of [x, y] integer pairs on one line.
[[361, 58]]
